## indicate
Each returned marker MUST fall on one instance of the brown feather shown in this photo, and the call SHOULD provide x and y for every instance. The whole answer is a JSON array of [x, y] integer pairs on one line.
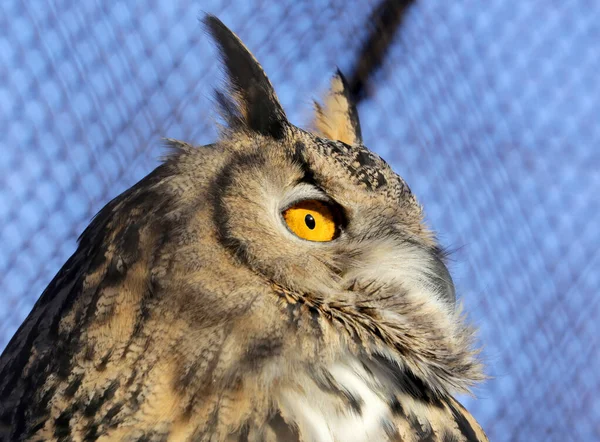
[[189, 311]]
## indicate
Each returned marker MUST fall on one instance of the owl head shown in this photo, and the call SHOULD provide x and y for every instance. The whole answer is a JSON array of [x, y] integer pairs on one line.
[[274, 226], [304, 244]]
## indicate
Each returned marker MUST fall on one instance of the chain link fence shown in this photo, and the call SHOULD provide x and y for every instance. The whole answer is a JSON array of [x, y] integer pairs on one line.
[[488, 109]]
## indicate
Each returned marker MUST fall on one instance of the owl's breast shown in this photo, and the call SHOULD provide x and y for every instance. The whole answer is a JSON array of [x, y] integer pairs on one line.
[[352, 401], [343, 403]]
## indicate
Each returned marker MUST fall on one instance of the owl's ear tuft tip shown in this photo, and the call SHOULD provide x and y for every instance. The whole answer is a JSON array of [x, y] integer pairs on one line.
[[251, 100], [337, 119], [341, 77]]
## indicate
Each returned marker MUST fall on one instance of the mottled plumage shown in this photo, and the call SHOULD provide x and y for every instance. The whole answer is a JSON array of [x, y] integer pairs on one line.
[[191, 312]]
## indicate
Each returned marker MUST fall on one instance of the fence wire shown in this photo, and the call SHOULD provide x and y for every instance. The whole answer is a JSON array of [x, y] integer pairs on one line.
[[488, 109]]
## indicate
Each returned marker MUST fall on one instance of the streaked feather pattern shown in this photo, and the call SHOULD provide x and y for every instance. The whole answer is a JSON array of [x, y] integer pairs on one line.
[[190, 312]]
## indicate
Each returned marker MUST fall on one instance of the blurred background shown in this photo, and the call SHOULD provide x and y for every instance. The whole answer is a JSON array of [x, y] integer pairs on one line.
[[488, 109]]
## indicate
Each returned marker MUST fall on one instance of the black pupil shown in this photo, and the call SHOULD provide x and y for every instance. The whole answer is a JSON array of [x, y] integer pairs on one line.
[[310, 222]]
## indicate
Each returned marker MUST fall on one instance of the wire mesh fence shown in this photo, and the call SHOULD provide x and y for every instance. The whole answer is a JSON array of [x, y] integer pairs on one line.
[[488, 109]]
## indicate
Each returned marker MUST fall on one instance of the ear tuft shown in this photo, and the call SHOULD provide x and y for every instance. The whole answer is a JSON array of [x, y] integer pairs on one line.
[[251, 102], [337, 119]]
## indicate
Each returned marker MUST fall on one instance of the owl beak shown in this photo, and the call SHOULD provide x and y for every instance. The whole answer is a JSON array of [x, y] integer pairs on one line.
[[442, 281]]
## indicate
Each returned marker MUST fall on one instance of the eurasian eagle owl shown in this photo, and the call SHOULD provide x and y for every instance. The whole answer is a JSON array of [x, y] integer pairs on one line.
[[276, 285]]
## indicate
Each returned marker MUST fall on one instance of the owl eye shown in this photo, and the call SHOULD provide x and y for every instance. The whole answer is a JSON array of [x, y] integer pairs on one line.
[[312, 220]]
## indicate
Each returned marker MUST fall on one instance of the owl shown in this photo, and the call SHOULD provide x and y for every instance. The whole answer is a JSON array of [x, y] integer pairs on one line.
[[277, 285]]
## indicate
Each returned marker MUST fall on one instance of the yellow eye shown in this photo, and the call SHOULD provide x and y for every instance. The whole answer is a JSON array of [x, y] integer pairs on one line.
[[312, 220]]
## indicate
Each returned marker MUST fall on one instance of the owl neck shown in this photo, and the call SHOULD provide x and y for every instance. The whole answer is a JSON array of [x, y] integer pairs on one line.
[[407, 348]]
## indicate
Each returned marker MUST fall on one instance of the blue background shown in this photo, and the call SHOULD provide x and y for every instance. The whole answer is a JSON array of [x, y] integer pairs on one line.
[[488, 109]]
